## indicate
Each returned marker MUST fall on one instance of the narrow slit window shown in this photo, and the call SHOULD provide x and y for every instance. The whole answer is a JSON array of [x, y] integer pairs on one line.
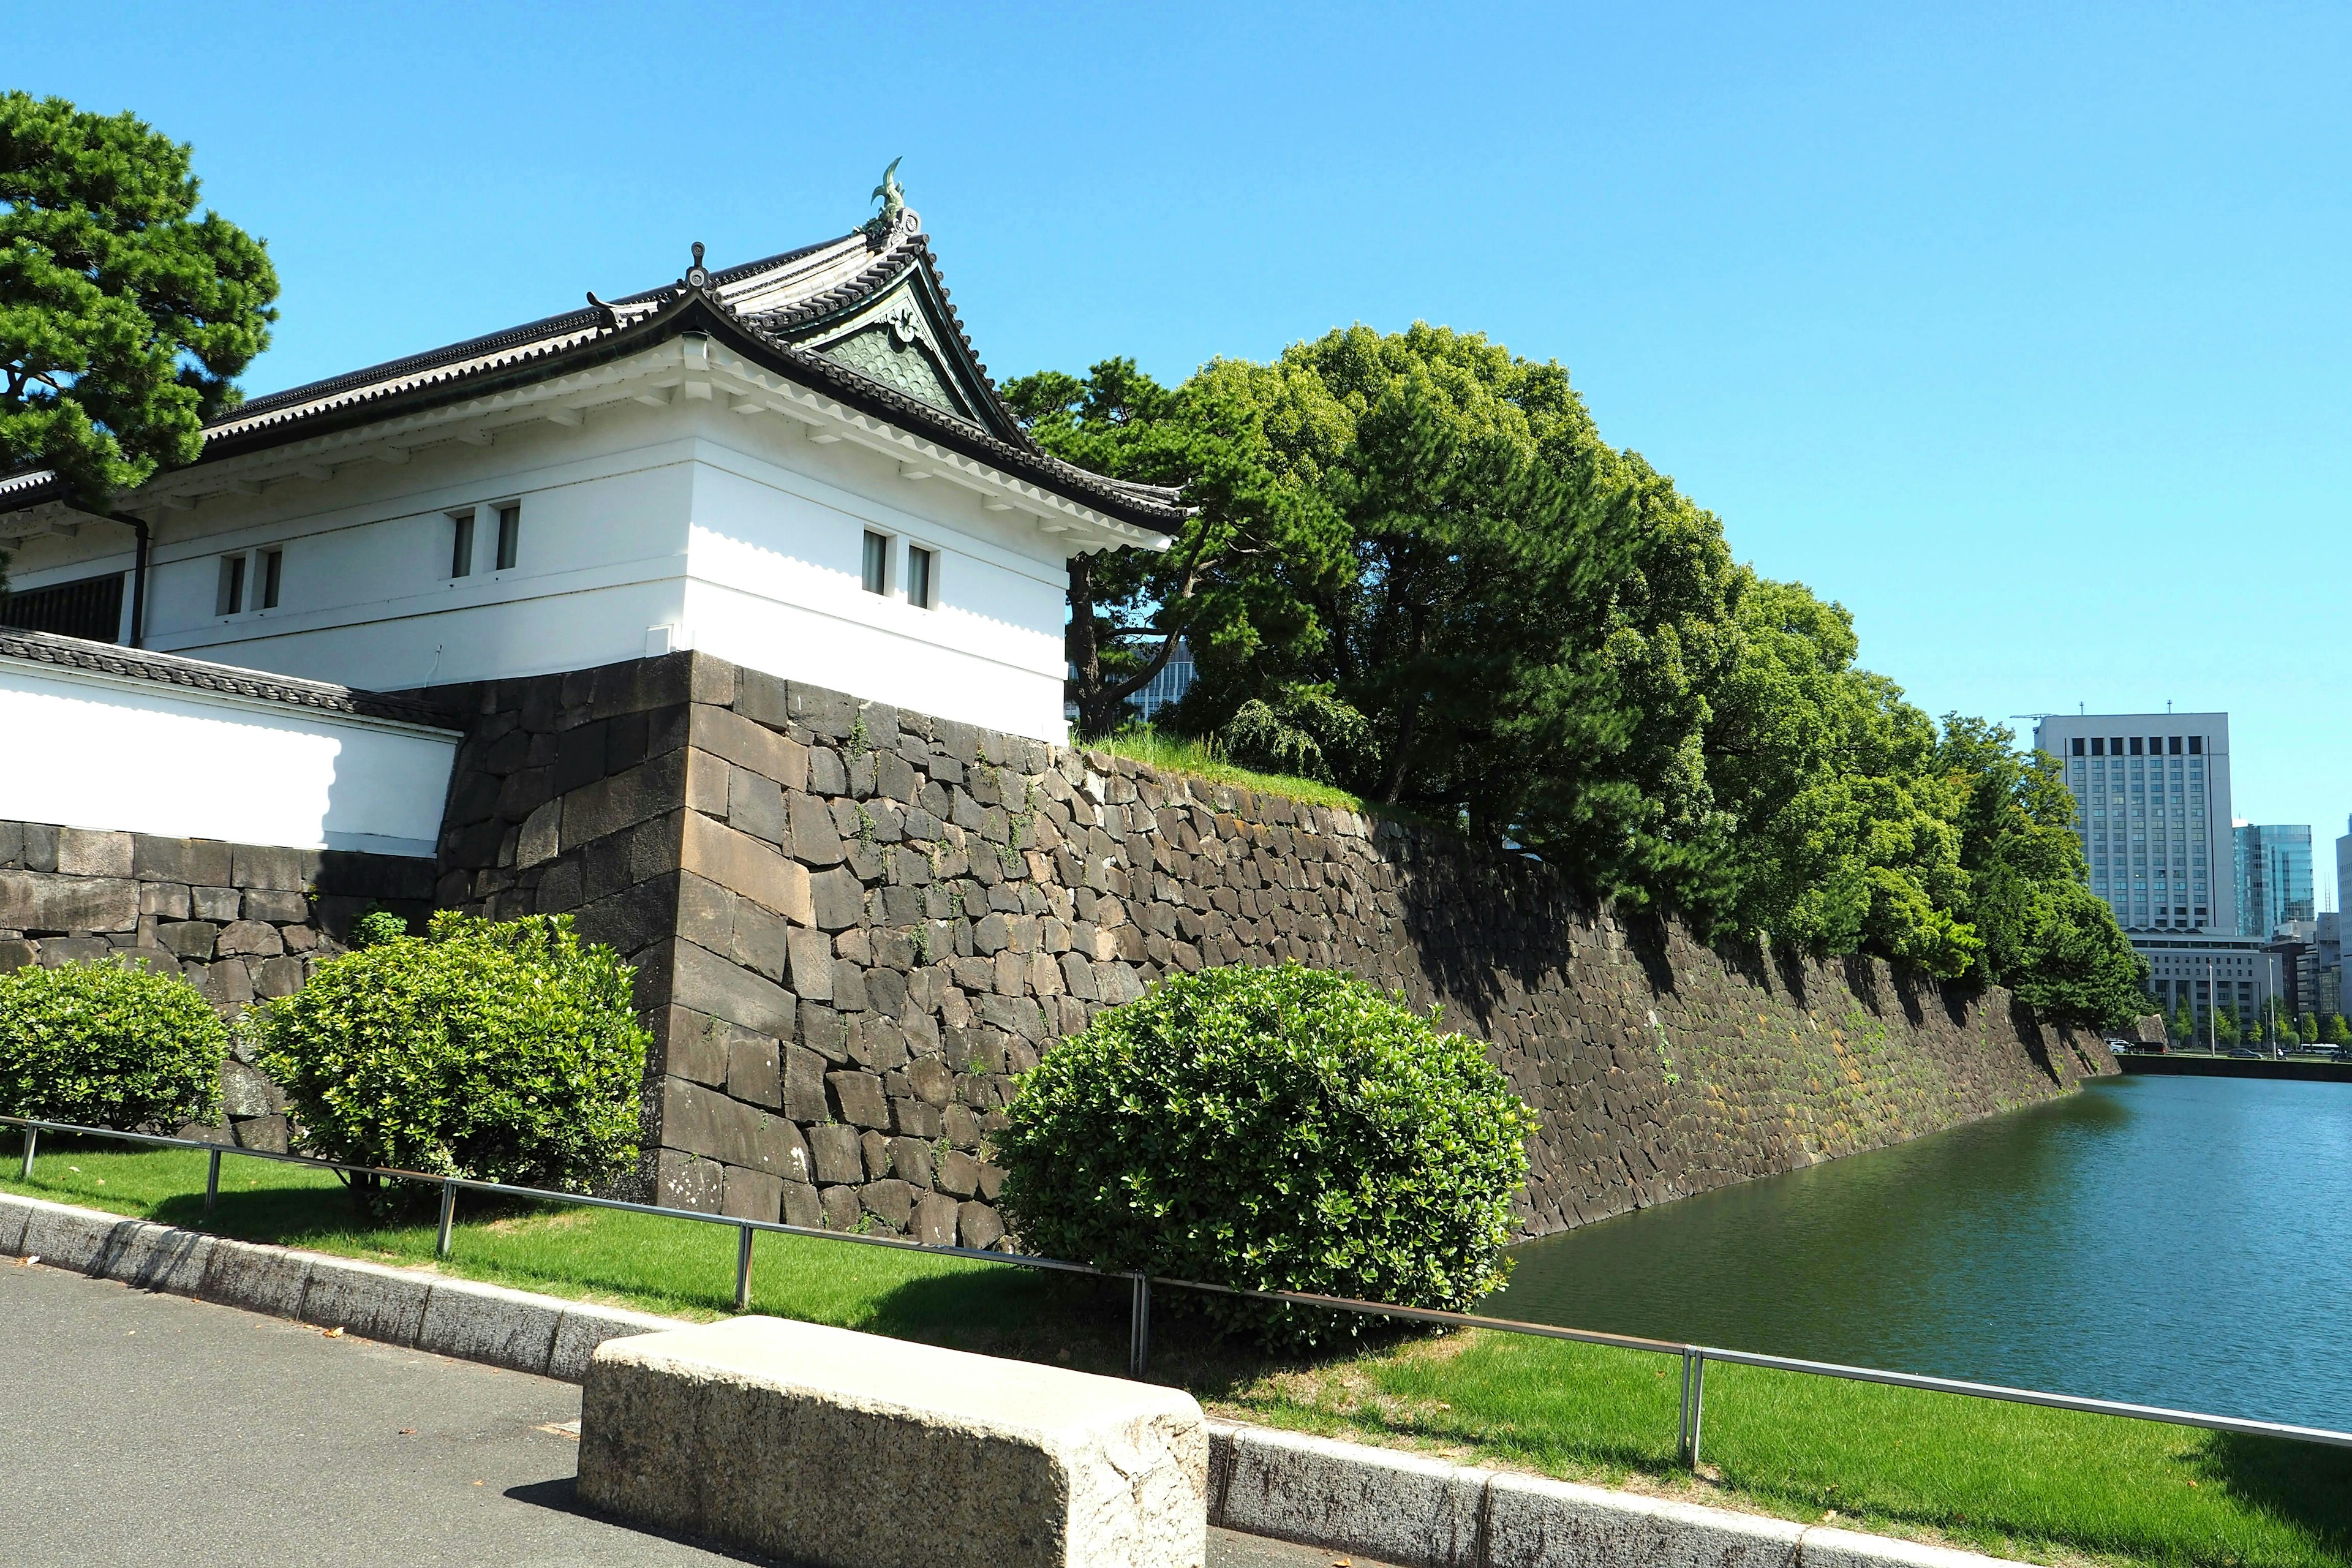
[[273, 568], [918, 577], [461, 544], [509, 535], [877, 562], [232, 586]]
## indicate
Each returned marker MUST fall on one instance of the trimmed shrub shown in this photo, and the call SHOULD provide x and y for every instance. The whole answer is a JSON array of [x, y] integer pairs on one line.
[[503, 1051], [108, 1043], [1283, 1129]]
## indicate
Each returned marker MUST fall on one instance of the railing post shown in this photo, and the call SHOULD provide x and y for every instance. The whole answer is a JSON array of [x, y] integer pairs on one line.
[[1139, 1327], [743, 1272], [212, 1183], [448, 1214], [1693, 1402], [32, 1138]]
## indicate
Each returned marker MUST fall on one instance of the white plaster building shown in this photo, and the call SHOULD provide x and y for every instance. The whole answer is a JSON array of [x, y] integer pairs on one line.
[[798, 465]]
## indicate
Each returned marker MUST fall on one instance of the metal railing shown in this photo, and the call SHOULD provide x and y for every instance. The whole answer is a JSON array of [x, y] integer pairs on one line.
[[1695, 1358]]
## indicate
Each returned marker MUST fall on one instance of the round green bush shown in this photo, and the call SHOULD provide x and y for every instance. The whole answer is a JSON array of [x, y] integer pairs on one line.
[[1283, 1129], [108, 1043], [503, 1051]]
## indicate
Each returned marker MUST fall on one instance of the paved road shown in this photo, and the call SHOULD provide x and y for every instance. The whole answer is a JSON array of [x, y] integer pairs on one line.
[[139, 1429]]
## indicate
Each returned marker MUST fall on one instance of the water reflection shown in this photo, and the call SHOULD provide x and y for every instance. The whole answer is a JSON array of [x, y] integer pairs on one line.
[[2172, 1241]]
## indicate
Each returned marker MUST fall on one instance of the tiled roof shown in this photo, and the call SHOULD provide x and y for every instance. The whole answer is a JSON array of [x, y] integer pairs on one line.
[[170, 669], [773, 302]]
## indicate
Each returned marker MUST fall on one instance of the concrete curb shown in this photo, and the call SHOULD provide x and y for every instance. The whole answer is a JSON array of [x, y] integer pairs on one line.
[[1402, 1508], [512, 1329], [1423, 1513]]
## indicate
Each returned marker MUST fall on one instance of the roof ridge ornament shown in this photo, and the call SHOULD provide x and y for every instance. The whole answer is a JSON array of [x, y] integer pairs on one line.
[[893, 197], [695, 278], [607, 318]]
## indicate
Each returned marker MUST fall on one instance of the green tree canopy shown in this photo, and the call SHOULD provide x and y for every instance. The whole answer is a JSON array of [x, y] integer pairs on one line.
[[1418, 572], [123, 316]]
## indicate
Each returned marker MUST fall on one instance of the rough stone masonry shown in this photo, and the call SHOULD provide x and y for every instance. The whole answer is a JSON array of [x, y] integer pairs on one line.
[[854, 925]]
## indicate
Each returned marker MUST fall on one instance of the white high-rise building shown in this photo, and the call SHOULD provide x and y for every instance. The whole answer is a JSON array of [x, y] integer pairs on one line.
[[2152, 808]]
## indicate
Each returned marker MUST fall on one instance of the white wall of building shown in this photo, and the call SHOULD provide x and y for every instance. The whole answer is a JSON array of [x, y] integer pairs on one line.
[[129, 755], [644, 529]]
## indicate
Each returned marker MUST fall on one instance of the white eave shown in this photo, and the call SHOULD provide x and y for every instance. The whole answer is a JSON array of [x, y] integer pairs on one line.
[[690, 367]]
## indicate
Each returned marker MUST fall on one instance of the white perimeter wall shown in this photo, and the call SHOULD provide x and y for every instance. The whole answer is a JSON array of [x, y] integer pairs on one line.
[[86, 751]]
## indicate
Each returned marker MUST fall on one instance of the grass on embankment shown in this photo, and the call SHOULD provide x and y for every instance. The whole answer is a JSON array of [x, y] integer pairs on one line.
[[2049, 1486], [1199, 759]]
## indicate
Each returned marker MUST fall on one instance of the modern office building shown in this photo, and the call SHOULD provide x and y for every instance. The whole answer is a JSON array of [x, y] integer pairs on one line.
[[2329, 960], [2271, 866], [2152, 808], [2244, 973]]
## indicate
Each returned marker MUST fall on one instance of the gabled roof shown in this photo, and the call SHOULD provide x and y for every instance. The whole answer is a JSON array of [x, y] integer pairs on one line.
[[864, 320]]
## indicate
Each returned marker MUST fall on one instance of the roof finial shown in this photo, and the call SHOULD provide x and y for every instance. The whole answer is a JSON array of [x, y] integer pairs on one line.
[[893, 198], [695, 275], [606, 317]]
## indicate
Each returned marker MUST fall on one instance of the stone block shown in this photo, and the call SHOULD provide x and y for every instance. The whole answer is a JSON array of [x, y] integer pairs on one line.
[[743, 864], [838, 1208], [755, 746], [15, 954], [1396, 1506], [724, 989], [373, 1302], [486, 1324], [250, 939], [59, 949], [86, 852], [258, 1279], [215, 903], [227, 983], [246, 1093], [837, 901], [809, 964], [890, 1200], [13, 1212], [164, 901], [935, 1220], [684, 1181], [278, 976], [816, 840], [979, 1225], [752, 1070], [268, 1134], [156, 1258], [834, 1149], [541, 837], [1533, 1521], [762, 941], [802, 1206], [750, 1194], [37, 900], [706, 1431], [584, 1327], [1827, 1548], [251, 866], [859, 1096], [278, 906]]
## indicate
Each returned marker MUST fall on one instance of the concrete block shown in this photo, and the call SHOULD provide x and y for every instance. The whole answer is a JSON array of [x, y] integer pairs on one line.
[[487, 1323], [13, 1212], [708, 1430], [373, 1302], [1845, 1549], [1397, 1507], [156, 1258], [68, 1238], [258, 1279], [1536, 1522], [584, 1327]]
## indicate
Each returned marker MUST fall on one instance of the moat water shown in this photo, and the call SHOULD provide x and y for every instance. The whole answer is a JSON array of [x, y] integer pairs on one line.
[[2179, 1241]]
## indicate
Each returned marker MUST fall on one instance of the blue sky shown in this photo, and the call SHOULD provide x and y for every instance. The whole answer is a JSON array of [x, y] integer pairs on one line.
[[2021, 332]]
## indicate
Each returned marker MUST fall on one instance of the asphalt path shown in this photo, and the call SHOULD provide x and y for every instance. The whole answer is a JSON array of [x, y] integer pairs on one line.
[[148, 1429]]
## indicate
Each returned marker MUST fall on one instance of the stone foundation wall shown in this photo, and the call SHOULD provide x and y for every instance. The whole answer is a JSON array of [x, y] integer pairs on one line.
[[854, 925], [237, 921]]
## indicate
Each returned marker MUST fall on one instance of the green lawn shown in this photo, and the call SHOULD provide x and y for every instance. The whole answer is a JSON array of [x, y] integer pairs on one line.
[[2046, 1485]]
